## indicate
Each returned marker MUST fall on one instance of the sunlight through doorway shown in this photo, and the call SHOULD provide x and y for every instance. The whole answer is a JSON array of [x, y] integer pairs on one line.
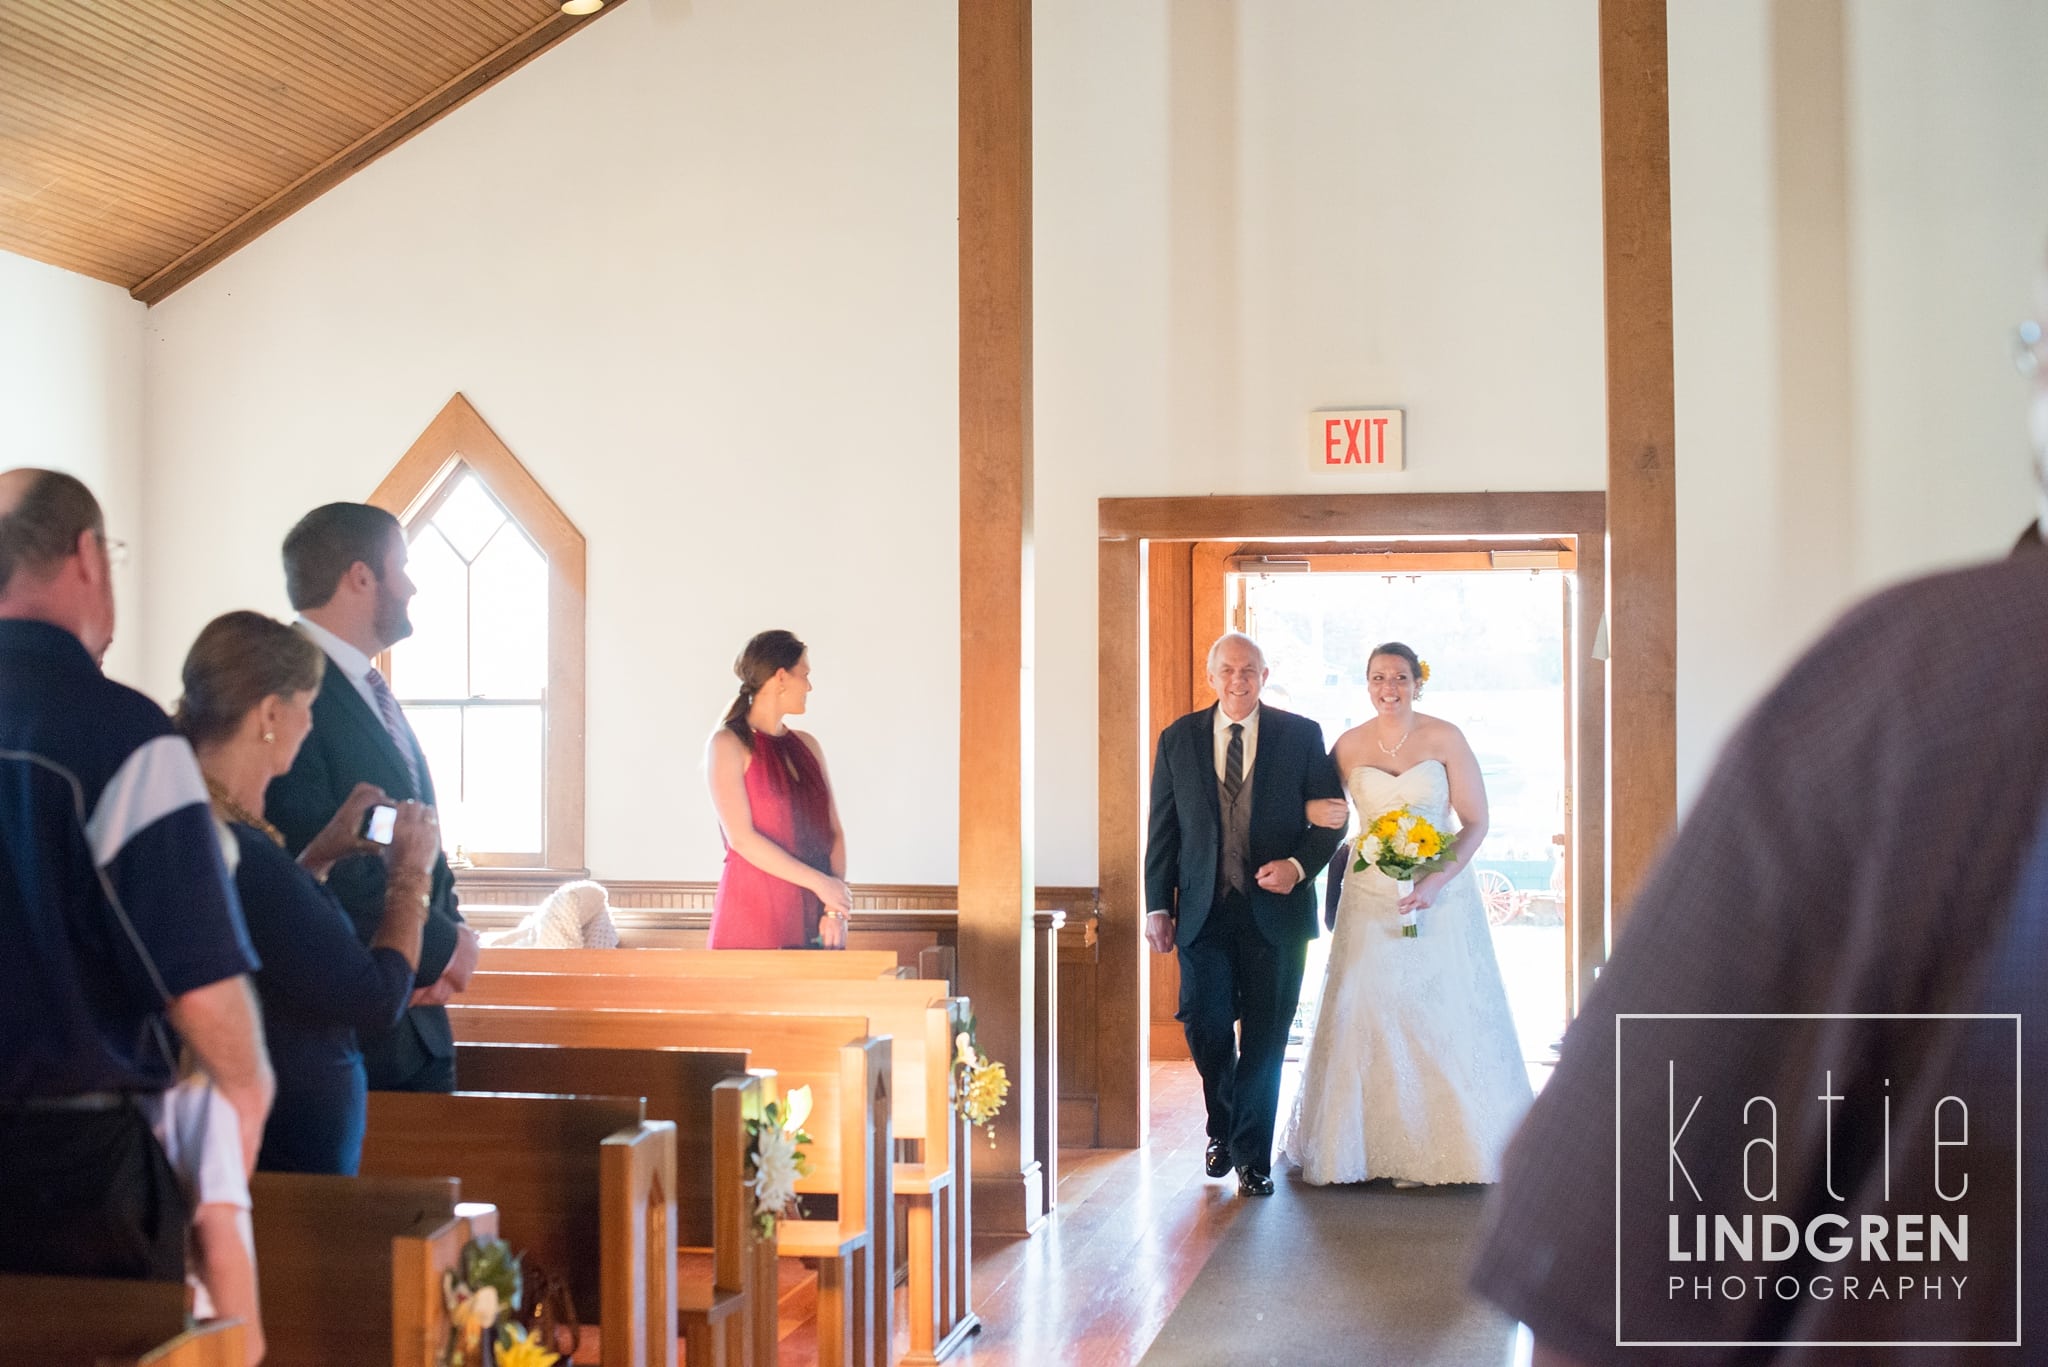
[[1495, 643]]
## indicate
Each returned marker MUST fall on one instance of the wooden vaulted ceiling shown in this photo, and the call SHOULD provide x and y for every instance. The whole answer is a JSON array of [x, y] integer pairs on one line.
[[143, 140]]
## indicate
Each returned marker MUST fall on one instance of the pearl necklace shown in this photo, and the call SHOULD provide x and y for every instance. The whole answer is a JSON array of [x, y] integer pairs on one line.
[[1397, 744]]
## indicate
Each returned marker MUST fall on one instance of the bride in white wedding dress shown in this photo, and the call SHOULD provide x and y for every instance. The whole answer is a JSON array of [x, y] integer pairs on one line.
[[1413, 1069]]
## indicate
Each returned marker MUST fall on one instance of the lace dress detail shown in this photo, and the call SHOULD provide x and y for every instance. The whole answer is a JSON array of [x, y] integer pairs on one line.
[[1413, 1069]]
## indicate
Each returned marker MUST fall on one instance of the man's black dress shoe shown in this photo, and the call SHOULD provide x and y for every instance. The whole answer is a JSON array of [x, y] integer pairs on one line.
[[1251, 1183], [1216, 1162]]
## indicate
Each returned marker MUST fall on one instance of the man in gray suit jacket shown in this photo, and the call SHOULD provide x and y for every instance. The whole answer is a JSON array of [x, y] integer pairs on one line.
[[344, 567], [1230, 864]]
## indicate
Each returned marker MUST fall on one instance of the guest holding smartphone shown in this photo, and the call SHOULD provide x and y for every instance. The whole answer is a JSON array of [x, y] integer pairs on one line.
[[249, 686]]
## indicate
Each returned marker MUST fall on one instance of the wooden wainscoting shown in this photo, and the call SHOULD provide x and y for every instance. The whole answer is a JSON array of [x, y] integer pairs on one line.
[[910, 919]]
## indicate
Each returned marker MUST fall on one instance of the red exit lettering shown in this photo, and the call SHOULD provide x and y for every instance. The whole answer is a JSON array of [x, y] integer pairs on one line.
[[1364, 441]]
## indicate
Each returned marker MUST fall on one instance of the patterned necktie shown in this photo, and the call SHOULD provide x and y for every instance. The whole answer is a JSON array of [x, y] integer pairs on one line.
[[1233, 764], [394, 726]]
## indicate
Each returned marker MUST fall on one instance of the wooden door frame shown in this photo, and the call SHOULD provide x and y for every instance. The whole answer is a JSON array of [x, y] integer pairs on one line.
[[1130, 683]]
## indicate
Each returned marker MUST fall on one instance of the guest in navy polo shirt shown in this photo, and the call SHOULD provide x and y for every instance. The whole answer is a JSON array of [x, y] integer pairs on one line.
[[120, 934]]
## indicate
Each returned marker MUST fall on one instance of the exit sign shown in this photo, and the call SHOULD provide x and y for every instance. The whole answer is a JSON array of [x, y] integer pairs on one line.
[[1355, 439]]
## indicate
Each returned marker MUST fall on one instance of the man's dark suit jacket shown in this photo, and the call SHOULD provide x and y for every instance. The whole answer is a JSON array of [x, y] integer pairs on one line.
[[349, 745], [1183, 848]]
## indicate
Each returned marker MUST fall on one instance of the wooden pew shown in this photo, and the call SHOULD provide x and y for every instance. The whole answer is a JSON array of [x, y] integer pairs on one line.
[[696, 963], [921, 1021], [62, 1321], [328, 1247], [419, 1308], [852, 1091], [709, 1098], [584, 1189]]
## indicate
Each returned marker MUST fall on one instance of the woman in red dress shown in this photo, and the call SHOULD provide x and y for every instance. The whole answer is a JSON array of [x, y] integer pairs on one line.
[[785, 854]]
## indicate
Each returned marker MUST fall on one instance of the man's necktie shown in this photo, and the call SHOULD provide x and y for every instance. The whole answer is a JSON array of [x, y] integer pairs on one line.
[[1233, 764], [395, 727]]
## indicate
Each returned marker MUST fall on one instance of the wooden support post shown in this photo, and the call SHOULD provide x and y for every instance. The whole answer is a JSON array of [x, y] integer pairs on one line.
[[996, 897], [1123, 985], [1642, 494], [1045, 1006]]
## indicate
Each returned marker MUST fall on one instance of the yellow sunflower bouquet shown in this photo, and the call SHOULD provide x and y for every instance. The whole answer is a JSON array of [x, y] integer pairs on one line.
[[1403, 845], [980, 1083]]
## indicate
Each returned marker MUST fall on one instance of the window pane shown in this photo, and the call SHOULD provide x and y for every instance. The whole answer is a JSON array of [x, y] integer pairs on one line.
[[508, 604], [433, 662], [469, 516], [440, 734], [502, 779]]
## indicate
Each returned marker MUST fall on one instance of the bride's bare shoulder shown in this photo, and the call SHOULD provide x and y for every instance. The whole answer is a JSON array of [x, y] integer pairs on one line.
[[1355, 735], [1348, 746], [1441, 739], [1428, 727]]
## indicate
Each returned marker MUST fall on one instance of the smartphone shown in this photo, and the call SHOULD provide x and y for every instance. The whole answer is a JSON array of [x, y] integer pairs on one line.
[[378, 822]]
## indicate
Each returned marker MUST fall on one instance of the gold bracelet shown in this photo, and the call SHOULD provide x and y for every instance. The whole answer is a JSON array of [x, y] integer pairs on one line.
[[406, 892]]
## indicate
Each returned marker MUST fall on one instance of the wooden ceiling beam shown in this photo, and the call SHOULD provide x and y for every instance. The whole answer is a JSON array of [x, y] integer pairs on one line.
[[361, 153]]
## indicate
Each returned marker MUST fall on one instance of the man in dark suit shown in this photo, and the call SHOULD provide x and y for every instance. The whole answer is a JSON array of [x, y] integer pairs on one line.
[[1230, 859], [344, 570]]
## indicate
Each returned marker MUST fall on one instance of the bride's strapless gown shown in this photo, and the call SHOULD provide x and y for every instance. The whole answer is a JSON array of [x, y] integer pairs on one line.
[[1413, 1068]]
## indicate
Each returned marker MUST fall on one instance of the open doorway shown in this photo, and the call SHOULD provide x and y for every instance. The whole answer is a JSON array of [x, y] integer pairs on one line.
[[1495, 642], [1164, 572]]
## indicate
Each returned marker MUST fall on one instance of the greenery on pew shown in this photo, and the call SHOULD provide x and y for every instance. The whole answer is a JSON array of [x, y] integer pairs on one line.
[[481, 1302], [776, 1157], [981, 1084]]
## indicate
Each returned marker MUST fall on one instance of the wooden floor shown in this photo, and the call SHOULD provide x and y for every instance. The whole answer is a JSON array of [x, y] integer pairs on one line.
[[1131, 1229]]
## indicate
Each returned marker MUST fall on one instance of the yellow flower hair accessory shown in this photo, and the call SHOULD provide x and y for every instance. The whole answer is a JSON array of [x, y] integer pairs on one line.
[[1421, 671]]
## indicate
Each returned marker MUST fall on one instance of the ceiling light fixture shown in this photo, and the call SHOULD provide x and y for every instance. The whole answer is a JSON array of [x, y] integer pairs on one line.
[[579, 8]]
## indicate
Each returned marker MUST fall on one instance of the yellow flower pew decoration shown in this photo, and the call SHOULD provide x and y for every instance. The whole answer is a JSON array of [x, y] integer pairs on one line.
[[981, 1084], [518, 1349], [481, 1292]]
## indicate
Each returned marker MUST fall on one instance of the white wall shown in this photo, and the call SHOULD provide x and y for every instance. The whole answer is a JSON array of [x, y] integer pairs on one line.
[[71, 400], [1845, 281], [1249, 211], [1949, 197], [696, 268]]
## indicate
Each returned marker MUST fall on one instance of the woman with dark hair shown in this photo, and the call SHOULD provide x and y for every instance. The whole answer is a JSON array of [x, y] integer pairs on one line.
[[785, 852], [249, 685]]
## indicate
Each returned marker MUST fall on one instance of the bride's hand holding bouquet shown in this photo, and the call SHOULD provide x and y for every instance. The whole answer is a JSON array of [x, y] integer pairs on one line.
[[1408, 848]]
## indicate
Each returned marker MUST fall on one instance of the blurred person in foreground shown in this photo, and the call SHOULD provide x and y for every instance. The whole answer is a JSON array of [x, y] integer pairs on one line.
[[1870, 854]]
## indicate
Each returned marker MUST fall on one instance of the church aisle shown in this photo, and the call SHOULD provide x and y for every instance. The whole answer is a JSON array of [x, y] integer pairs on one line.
[[1131, 1231], [1349, 1276]]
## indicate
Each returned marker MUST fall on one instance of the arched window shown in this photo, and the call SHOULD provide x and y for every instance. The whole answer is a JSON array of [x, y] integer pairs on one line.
[[492, 677]]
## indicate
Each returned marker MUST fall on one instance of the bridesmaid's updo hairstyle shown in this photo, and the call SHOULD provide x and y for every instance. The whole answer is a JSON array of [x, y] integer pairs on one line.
[[765, 655], [1401, 652], [240, 659]]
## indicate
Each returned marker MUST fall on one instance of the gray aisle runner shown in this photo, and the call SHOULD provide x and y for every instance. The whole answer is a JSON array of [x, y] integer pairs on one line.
[[1341, 1275]]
